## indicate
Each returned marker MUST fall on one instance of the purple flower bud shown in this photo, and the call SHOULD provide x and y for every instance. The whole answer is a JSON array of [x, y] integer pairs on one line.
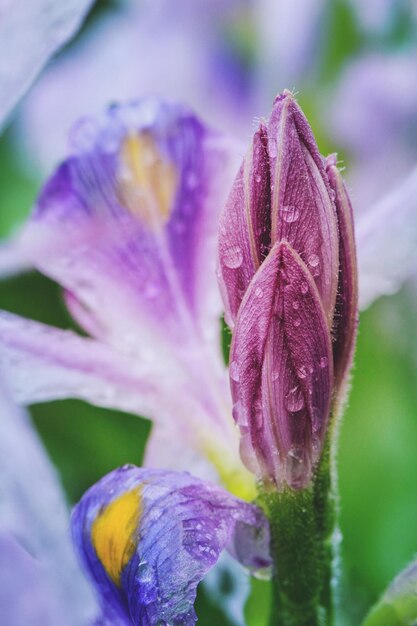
[[287, 272]]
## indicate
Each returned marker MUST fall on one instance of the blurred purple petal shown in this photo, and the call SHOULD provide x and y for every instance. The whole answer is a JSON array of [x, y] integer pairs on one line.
[[387, 242], [281, 370], [148, 537], [346, 309], [34, 511], [135, 253], [290, 34], [127, 225], [42, 363], [206, 63], [30, 33], [26, 594]]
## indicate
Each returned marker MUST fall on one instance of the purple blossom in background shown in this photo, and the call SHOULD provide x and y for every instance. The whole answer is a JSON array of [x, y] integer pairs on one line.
[[228, 66], [30, 33], [288, 277], [376, 98], [136, 258]]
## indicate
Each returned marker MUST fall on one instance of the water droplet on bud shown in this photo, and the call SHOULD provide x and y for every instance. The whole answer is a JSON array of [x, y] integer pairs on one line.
[[272, 148], [313, 260], [290, 214], [296, 465], [323, 362], [304, 288], [233, 257], [297, 322], [295, 305], [259, 292], [275, 375], [234, 371], [294, 400]]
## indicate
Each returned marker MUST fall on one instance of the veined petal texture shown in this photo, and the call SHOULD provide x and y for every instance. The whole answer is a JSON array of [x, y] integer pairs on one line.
[[303, 212], [281, 370], [127, 225], [148, 537]]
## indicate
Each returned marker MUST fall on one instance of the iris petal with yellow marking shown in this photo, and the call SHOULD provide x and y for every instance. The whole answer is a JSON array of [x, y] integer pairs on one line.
[[148, 537]]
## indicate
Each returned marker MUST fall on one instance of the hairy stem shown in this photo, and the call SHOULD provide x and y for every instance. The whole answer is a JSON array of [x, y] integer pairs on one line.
[[302, 526]]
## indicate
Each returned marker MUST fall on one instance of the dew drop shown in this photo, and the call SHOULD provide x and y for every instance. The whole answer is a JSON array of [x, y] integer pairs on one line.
[[240, 415], [233, 257], [304, 288], [296, 464], [313, 260], [297, 322], [272, 148], [295, 305], [290, 214], [258, 178], [259, 292], [127, 466], [323, 362], [234, 371], [275, 375], [294, 400], [144, 572]]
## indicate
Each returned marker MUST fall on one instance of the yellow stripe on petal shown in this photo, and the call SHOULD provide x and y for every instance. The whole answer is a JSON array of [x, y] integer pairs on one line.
[[148, 181], [114, 533]]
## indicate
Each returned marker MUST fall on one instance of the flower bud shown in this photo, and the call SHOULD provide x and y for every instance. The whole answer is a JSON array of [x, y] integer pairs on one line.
[[287, 273]]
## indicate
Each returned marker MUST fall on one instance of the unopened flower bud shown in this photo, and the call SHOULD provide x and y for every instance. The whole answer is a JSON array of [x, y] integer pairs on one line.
[[287, 273]]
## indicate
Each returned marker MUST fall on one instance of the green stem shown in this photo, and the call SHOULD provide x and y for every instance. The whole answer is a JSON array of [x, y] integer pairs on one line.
[[302, 526]]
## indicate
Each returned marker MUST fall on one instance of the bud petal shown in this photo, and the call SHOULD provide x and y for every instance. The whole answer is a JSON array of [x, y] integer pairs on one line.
[[282, 370], [303, 212], [244, 234], [346, 309]]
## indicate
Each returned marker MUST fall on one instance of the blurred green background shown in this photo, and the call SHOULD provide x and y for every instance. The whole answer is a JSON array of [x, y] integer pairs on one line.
[[377, 458]]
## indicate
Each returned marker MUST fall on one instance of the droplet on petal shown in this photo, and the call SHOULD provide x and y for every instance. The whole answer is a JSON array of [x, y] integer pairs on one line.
[[234, 371], [324, 362], [290, 214], [294, 400], [233, 257]]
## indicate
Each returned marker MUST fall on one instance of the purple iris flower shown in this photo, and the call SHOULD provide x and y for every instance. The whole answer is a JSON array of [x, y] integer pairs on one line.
[[128, 226]]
